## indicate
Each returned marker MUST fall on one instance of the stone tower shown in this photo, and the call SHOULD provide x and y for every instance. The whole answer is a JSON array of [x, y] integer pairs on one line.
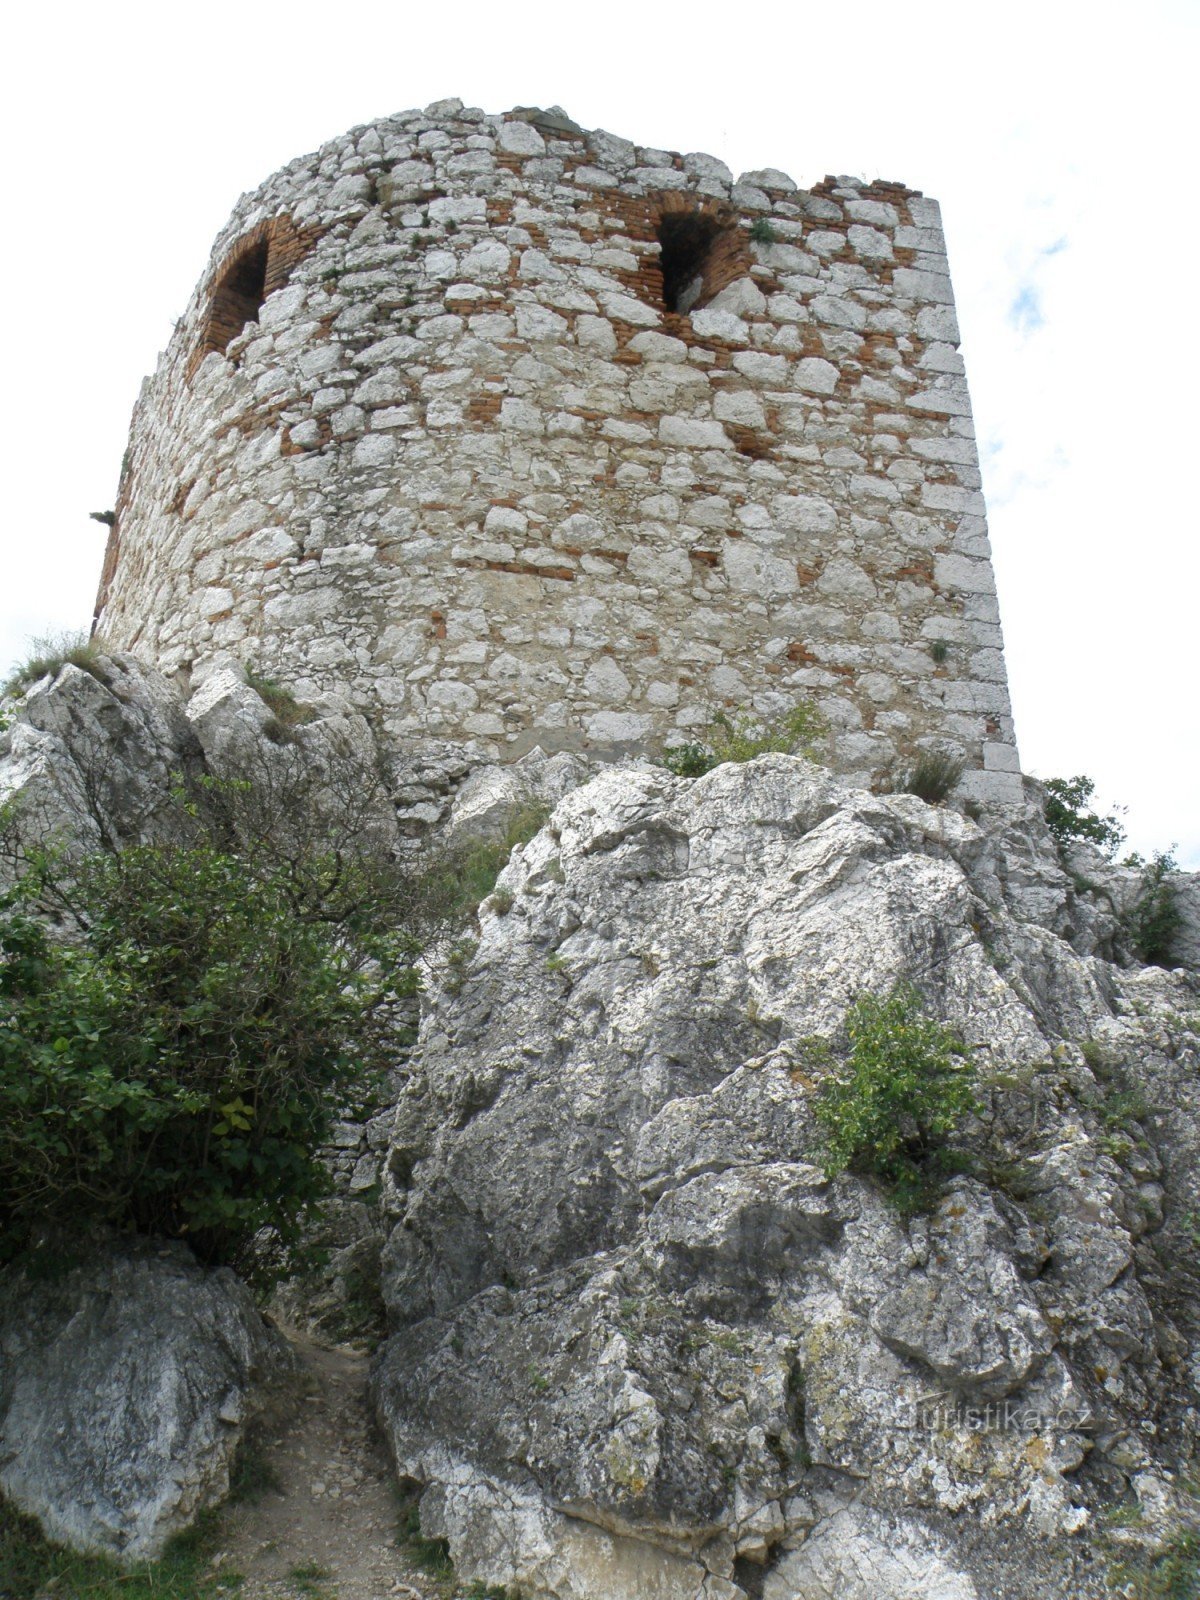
[[520, 435]]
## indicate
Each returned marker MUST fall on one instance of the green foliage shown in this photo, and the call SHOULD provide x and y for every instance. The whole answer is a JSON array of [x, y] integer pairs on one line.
[[30, 1567], [933, 776], [463, 879], [1155, 920], [762, 232], [905, 1086], [308, 1577], [938, 651], [174, 1065], [1170, 1573], [1122, 1108], [428, 1555], [458, 958], [287, 711], [1071, 820], [48, 654], [742, 737]]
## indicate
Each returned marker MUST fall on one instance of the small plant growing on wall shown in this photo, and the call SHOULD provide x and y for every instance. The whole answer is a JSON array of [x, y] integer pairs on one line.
[[932, 777], [762, 232], [742, 737]]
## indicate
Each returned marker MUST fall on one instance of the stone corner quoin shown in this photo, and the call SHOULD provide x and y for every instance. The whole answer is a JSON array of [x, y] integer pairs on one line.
[[526, 435]]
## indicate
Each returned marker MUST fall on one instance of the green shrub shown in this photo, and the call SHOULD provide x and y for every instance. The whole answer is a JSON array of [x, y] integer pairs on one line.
[[174, 1065], [905, 1085], [933, 776], [762, 232], [742, 737], [1172, 1572], [49, 653], [939, 650], [1155, 920], [1070, 819]]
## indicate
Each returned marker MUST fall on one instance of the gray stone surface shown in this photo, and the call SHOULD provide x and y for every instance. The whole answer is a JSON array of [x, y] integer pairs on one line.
[[642, 1346], [466, 466], [126, 1383]]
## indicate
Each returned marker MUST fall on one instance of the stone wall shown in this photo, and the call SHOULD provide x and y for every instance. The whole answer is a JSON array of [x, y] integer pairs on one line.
[[466, 462]]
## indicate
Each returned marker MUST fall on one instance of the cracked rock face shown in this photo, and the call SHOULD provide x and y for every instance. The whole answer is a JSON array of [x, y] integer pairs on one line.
[[125, 1386], [642, 1347]]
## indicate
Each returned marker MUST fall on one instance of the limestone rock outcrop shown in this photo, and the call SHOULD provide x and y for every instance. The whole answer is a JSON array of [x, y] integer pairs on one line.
[[126, 1383], [644, 1347]]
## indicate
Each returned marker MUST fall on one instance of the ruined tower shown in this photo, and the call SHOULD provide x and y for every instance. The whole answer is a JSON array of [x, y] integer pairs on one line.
[[520, 434]]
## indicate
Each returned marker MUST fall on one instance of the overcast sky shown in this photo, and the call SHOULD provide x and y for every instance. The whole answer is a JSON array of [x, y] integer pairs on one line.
[[1059, 138]]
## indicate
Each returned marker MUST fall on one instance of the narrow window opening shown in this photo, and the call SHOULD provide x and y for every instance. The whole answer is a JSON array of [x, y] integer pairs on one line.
[[241, 292], [258, 265], [687, 239]]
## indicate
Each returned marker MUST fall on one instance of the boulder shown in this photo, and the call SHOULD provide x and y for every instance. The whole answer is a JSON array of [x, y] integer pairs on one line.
[[127, 1378], [89, 756]]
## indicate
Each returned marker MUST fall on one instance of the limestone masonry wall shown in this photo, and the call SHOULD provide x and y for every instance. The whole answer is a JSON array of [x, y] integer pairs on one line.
[[526, 435]]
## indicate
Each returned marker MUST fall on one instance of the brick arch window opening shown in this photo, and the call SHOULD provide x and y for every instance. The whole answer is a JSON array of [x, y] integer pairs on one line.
[[259, 265], [702, 249], [238, 297], [686, 239]]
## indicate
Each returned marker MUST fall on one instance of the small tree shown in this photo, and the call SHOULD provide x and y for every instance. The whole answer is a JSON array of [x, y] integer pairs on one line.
[[1155, 919], [1071, 820], [174, 1063], [905, 1086]]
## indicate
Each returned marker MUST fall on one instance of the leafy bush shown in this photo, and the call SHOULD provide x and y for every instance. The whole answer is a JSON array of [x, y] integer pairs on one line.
[[1070, 819], [174, 1065], [742, 737], [905, 1086], [49, 653], [1155, 919], [762, 232]]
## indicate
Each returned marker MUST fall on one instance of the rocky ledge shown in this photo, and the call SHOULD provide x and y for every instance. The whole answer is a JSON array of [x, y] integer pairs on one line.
[[643, 1347]]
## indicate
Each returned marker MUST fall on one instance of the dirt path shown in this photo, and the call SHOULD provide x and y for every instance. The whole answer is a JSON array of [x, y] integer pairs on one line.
[[322, 1522]]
